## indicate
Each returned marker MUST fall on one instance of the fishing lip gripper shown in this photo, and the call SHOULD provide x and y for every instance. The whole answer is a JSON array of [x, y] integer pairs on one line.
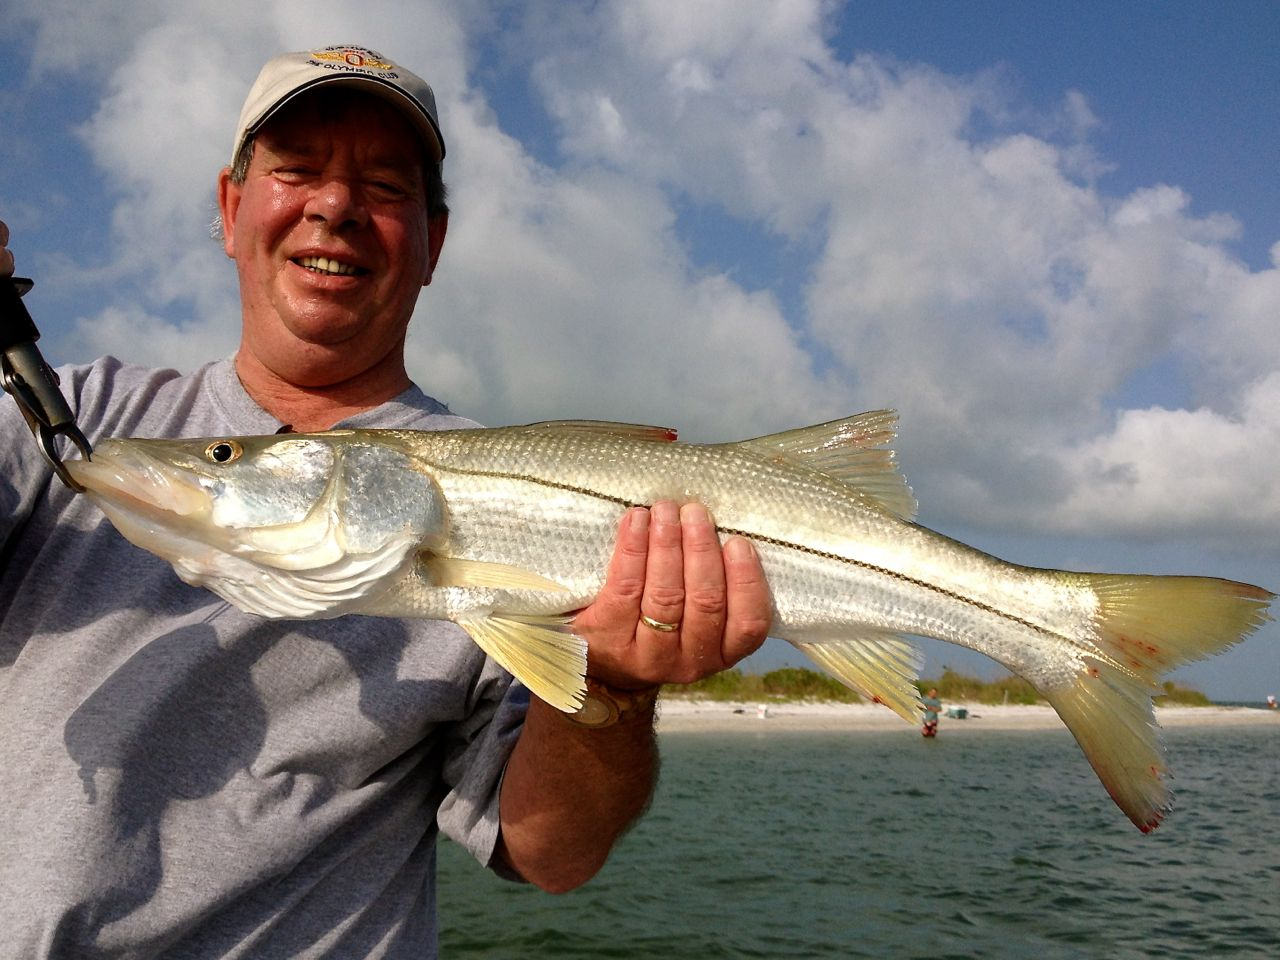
[[31, 381]]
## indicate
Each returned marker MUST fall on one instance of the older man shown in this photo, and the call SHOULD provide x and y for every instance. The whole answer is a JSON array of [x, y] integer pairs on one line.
[[180, 778]]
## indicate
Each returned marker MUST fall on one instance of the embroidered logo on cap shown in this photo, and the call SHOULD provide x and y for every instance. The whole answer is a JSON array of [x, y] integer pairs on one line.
[[353, 57]]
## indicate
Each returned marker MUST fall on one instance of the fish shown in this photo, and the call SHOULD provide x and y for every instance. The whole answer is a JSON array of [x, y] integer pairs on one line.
[[507, 531]]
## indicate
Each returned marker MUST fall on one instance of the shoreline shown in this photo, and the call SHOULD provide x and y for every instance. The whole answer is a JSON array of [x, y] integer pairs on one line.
[[681, 714]]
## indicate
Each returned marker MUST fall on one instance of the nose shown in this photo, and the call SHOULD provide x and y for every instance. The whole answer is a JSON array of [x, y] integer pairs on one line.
[[334, 202]]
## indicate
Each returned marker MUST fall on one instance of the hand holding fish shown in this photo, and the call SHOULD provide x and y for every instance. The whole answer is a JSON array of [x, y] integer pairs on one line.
[[670, 568]]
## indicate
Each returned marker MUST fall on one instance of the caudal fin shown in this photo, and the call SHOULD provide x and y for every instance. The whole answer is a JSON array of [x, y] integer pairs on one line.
[[1145, 627]]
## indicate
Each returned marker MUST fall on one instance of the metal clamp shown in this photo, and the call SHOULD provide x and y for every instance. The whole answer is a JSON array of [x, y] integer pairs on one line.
[[31, 381]]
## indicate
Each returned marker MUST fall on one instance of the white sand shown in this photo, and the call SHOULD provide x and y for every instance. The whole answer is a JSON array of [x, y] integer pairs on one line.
[[680, 714]]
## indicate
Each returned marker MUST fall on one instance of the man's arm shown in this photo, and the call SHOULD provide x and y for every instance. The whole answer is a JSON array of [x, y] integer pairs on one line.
[[571, 791]]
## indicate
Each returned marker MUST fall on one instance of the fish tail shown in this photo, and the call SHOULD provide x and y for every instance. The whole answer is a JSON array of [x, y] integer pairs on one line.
[[1144, 627]]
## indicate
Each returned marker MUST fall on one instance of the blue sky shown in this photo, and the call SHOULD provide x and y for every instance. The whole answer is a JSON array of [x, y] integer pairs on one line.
[[1046, 234]]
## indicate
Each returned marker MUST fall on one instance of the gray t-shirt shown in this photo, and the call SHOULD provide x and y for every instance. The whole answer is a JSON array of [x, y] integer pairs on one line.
[[181, 779]]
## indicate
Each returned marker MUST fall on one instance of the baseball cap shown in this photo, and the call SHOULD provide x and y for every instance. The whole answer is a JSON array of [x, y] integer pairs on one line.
[[345, 65]]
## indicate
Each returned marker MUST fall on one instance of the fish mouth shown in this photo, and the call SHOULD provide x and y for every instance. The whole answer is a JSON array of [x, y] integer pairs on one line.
[[136, 482], [153, 505]]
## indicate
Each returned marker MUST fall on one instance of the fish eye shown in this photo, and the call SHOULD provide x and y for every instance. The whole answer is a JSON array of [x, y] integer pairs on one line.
[[223, 451]]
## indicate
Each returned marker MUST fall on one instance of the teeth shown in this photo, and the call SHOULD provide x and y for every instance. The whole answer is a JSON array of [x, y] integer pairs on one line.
[[325, 265]]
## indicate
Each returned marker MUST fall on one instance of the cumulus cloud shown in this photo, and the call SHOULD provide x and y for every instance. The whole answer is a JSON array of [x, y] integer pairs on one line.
[[1133, 479], [980, 282], [956, 257]]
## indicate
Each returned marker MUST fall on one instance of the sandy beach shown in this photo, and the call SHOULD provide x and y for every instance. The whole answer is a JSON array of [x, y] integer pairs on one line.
[[681, 715]]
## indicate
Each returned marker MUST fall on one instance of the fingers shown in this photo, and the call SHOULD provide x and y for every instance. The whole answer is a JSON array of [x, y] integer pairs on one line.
[[664, 591], [669, 569], [702, 587], [618, 604], [727, 608], [750, 605], [6, 255]]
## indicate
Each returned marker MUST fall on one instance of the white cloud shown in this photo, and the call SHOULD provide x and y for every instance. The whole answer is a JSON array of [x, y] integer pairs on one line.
[[982, 283], [155, 340], [1177, 472], [567, 295]]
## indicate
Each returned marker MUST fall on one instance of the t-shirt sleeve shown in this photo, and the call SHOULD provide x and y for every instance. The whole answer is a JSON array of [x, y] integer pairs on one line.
[[476, 759]]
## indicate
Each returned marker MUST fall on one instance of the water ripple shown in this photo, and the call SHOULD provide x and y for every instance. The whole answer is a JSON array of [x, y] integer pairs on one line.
[[807, 845]]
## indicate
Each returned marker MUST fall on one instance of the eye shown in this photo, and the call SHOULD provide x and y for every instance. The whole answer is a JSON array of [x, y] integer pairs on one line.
[[223, 451]]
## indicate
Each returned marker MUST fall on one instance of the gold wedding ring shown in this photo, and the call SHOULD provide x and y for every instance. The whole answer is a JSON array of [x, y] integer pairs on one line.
[[658, 625]]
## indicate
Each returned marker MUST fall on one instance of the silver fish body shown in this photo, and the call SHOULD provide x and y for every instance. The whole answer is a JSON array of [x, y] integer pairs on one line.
[[506, 530]]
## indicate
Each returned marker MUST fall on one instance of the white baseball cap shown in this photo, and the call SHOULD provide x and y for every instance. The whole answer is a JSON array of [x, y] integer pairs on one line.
[[346, 65]]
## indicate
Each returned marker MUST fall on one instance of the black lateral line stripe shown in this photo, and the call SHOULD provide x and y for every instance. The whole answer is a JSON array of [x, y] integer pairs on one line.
[[773, 541], [892, 574]]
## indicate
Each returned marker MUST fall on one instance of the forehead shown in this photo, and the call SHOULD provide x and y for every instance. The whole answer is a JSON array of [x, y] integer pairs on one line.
[[314, 121]]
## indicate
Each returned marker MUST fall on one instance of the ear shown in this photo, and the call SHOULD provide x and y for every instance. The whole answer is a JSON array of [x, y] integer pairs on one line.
[[228, 203], [436, 228]]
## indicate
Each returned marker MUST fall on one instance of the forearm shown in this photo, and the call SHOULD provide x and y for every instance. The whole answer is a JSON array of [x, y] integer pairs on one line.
[[674, 609], [570, 792]]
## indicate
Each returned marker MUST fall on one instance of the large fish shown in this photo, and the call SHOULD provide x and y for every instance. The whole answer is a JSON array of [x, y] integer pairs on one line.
[[504, 531]]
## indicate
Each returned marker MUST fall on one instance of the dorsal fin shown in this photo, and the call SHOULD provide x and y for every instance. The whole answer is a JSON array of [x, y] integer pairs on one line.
[[853, 450], [632, 431]]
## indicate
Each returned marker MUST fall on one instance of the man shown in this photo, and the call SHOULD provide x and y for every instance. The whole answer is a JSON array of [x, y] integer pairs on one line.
[[932, 708], [182, 779]]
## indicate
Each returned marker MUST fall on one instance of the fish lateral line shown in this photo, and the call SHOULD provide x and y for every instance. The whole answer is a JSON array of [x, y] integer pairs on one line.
[[536, 481], [904, 578], [785, 544]]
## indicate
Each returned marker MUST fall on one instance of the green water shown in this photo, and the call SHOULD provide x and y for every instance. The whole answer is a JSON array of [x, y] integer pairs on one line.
[[775, 843]]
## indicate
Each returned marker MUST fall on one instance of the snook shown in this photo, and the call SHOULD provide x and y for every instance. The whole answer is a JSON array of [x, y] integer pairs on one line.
[[506, 530]]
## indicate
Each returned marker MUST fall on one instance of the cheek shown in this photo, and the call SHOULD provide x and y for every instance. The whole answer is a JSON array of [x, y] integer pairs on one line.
[[265, 216], [406, 243]]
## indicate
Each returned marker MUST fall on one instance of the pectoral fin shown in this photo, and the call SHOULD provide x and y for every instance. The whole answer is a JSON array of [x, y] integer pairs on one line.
[[540, 652], [878, 664], [454, 572]]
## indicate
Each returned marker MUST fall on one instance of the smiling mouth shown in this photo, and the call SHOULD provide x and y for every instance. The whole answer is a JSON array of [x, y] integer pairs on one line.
[[328, 267]]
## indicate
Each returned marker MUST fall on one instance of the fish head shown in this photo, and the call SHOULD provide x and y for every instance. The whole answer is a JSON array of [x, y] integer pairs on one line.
[[293, 525]]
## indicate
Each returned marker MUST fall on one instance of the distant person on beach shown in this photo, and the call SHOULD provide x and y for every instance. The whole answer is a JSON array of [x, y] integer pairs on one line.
[[932, 707], [1271, 700]]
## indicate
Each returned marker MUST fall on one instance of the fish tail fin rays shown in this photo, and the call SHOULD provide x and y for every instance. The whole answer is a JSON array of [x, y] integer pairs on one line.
[[877, 664], [1147, 626], [540, 652], [1151, 625], [1109, 713]]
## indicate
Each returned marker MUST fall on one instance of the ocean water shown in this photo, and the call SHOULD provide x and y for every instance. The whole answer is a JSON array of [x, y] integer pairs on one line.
[[778, 844]]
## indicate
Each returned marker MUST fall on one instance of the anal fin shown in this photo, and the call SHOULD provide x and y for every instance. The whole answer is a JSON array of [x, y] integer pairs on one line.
[[880, 665]]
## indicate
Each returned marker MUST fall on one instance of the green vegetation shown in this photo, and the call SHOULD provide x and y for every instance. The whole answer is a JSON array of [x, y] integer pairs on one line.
[[787, 683], [956, 687], [797, 683], [1175, 695]]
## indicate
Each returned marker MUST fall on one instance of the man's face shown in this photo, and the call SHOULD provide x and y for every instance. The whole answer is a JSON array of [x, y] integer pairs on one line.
[[330, 236]]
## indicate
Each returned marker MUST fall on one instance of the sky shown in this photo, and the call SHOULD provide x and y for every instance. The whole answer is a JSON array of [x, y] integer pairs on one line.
[[1048, 235]]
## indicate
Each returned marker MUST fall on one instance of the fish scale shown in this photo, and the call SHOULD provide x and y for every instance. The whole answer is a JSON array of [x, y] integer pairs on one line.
[[506, 531], [807, 549]]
